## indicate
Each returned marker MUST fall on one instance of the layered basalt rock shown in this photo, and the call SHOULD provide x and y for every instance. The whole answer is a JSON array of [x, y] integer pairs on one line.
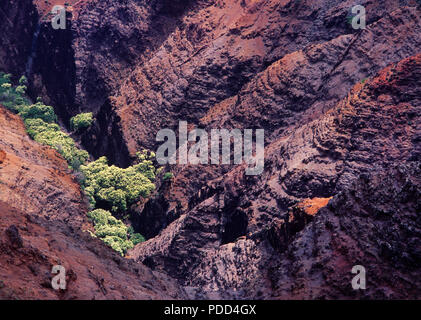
[[31, 245], [144, 65], [336, 125], [373, 223], [35, 179], [216, 51], [374, 128], [306, 83], [18, 21], [289, 94]]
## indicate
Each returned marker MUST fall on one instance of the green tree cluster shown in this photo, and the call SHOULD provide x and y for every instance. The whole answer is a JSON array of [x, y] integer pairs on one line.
[[12, 97], [135, 237], [116, 187], [40, 122], [81, 121], [111, 230], [167, 176], [51, 135], [38, 111]]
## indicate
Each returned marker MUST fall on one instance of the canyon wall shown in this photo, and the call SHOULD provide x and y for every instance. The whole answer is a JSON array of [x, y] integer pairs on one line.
[[340, 109], [44, 223]]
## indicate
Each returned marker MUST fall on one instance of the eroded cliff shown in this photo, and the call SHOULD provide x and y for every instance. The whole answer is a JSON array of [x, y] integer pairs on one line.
[[43, 223], [340, 108]]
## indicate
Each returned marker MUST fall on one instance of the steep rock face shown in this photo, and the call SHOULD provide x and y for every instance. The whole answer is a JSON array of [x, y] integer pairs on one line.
[[374, 223], [168, 60], [78, 68], [313, 80], [378, 123], [218, 49], [285, 66], [34, 178], [30, 246], [18, 22], [375, 127], [43, 223], [110, 39], [289, 94]]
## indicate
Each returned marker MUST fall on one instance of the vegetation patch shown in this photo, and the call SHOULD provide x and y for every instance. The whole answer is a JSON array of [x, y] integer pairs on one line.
[[167, 176], [12, 97], [107, 187], [81, 121], [117, 188], [111, 230]]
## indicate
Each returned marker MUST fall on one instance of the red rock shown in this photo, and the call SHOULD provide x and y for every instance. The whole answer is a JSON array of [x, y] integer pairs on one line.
[[294, 68], [43, 223]]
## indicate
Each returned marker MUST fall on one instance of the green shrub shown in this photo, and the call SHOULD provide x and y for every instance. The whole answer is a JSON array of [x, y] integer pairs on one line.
[[136, 238], [118, 187], [145, 164], [21, 90], [99, 216], [81, 121], [118, 244], [12, 98], [167, 176], [111, 230], [51, 135], [23, 81], [6, 86], [38, 111], [5, 77], [37, 126]]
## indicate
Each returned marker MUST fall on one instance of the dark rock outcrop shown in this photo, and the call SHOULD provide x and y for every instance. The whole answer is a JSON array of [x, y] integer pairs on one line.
[[18, 22], [33, 245], [340, 109], [374, 128], [375, 223]]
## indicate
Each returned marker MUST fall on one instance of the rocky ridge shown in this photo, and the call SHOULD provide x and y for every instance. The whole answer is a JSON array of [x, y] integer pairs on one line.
[[321, 159], [43, 223], [340, 111]]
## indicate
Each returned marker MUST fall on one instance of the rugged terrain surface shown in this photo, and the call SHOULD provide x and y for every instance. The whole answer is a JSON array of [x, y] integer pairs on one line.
[[374, 128], [43, 223], [374, 223], [340, 108], [34, 178]]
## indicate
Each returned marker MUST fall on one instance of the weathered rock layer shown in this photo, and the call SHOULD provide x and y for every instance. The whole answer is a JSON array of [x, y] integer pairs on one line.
[[376, 127], [340, 109], [43, 223]]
